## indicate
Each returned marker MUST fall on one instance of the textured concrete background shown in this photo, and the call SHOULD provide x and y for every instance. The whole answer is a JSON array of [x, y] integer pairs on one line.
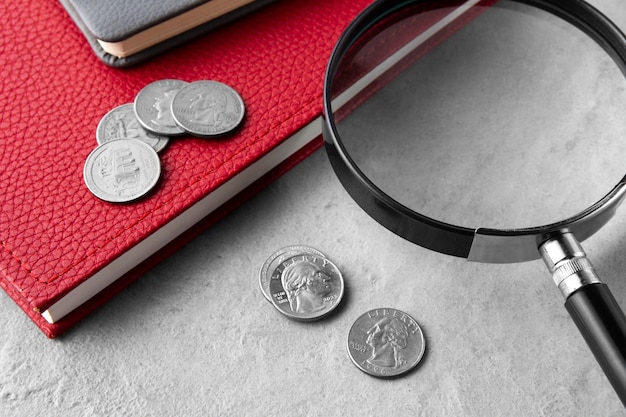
[[195, 336]]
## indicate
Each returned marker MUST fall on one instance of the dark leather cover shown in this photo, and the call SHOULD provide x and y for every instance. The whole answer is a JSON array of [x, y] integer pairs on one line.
[[116, 20]]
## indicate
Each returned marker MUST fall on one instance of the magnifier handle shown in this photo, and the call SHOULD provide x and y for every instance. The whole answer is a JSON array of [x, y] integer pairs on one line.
[[591, 305], [603, 325]]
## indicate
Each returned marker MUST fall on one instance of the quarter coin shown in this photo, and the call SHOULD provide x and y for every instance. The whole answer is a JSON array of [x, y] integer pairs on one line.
[[153, 107], [276, 259], [122, 170], [121, 123], [306, 287], [386, 342], [207, 108]]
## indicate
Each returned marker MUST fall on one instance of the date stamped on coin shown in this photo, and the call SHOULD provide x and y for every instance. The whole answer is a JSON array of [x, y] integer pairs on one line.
[[306, 286], [385, 343]]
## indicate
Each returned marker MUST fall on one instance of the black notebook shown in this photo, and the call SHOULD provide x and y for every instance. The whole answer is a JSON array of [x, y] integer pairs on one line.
[[126, 32]]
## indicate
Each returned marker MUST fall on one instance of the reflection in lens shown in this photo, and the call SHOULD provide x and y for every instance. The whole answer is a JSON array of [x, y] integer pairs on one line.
[[513, 119]]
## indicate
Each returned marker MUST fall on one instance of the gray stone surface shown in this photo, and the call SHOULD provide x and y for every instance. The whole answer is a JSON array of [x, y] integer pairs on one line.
[[196, 337]]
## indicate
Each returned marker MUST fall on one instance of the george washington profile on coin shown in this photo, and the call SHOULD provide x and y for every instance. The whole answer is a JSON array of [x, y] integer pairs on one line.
[[207, 108], [306, 285], [385, 342], [388, 337], [152, 107], [162, 104]]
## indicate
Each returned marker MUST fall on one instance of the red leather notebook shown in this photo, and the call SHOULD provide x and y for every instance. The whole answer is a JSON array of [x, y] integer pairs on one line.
[[59, 244], [63, 252]]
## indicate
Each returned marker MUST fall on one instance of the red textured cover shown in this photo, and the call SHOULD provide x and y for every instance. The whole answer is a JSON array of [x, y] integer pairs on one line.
[[53, 233]]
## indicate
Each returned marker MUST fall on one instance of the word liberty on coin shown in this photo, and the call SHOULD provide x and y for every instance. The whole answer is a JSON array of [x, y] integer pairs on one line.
[[386, 342], [276, 259], [301, 283]]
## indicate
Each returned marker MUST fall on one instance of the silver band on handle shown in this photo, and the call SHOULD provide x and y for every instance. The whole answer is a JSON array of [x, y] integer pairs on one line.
[[568, 263]]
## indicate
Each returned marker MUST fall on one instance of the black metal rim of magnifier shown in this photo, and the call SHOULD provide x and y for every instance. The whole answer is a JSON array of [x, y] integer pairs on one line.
[[480, 244]]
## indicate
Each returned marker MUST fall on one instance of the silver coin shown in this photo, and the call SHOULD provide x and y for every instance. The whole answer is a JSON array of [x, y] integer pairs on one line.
[[208, 108], [272, 262], [121, 123], [386, 342], [122, 170], [153, 107], [306, 287]]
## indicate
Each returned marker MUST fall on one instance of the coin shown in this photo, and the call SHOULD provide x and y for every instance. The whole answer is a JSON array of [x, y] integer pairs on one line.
[[121, 123], [122, 170], [153, 107], [386, 342], [276, 258], [306, 287], [207, 108]]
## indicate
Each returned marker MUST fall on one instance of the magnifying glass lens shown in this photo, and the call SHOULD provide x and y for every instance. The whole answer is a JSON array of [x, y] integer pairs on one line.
[[482, 114], [489, 130]]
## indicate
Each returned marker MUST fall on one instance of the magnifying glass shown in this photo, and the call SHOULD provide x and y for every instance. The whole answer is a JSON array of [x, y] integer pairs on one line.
[[492, 130]]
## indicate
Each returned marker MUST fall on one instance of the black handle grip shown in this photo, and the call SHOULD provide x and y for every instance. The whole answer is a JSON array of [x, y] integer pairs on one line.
[[603, 325]]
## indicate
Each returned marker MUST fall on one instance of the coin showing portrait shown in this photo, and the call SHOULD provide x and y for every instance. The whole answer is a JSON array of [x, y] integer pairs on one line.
[[388, 337], [306, 287], [272, 262], [207, 108], [153, 104], [385, 342], [306, 284], [162, 105]]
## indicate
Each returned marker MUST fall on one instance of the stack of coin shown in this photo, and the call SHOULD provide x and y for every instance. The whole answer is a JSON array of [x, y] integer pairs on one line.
[[201, 108], [121, 169], [301, 283]]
